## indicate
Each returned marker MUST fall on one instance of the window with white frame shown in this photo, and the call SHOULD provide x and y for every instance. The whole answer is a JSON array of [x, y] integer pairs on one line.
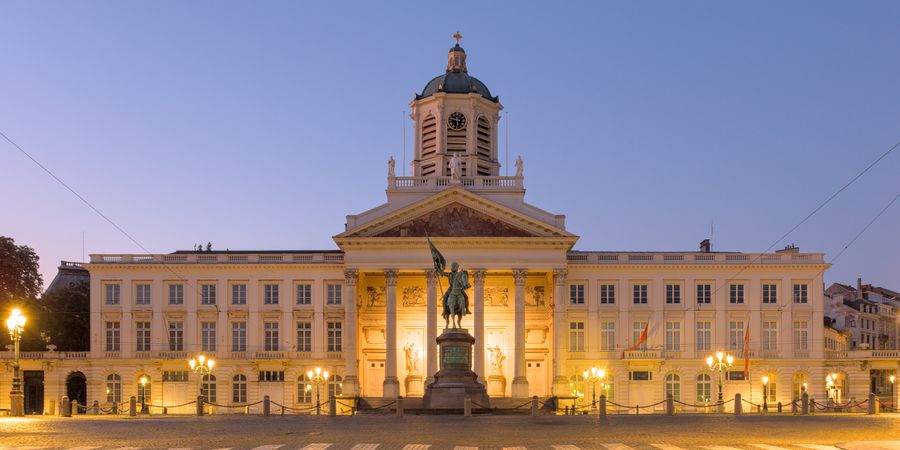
[[270, 336], [673, 386], [576, 336], [704, 335], [637, 328], [801, 335], [304, 294], [769, 293], [239, 336], [208, 336], [801, 293], [239, 389], [270, 294], [304, 336], [704, 293], [208, 388], [335, 386], [142, 336], [207, 294], [176, 336], [142, 294], [607, 336], [736, 293], [239, 294], [113, 336], [113, 292], [333, 294], [176, 294], [673, 294], [736, 335], [673, 336], [770, 335], [607, 294], [113, 388], [304, 390], [335, 337], [704, 388], [576, 294], [639, 294]]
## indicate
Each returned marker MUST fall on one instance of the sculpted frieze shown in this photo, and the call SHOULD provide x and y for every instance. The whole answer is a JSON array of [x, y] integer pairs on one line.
[[455, 220]]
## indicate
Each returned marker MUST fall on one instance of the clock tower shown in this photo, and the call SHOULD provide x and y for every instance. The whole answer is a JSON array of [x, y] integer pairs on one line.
[[455, 115]]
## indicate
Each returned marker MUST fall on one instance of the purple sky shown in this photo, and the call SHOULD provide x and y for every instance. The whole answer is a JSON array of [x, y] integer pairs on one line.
[[261, 125]]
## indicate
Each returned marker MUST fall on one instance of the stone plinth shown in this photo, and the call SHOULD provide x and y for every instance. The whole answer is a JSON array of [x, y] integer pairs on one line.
[[455, 380], [414, 385], [497, 385]]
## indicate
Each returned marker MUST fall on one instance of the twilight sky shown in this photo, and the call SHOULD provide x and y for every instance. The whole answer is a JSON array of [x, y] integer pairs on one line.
[[260, 125]]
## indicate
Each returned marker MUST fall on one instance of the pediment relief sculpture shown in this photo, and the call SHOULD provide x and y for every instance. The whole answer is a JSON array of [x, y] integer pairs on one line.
[[375, 296], [496, 296], [413, 296], [534, 296], [455, 220]]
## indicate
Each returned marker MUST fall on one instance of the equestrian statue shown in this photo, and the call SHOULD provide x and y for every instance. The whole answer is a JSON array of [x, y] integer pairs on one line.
[[455, 300]]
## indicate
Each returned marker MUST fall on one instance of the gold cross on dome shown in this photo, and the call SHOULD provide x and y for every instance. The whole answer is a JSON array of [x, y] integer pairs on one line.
[[457, 36]]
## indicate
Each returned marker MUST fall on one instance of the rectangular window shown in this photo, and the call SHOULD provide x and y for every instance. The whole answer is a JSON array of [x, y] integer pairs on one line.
[[736, 335], [239, 336], [304, 336], [238, 294], [735, 375], [175, 376], [639, 295], [208, 336], [607, 294], [270, 294], [640, 375], [801, 335], [576, 294], [271, 376], [576, 336], [637, 328], [142, 336], [113, 290], [704, 293], [304, 294], [769, 293], [207, 294], [113, 336], [736, 294], [239, 389], [334, 294], [176, 294], [673, 294], [608, 336], [142, 294], [176, 336], [673, 336], [800, 293], [270, 341], [769, 335], [704, 335], [335, 337]]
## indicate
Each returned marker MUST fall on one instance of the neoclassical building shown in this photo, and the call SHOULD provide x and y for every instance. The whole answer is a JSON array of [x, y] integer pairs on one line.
[[369, 310]]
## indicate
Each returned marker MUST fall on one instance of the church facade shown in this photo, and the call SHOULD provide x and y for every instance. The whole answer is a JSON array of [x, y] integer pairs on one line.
[[542, 313]]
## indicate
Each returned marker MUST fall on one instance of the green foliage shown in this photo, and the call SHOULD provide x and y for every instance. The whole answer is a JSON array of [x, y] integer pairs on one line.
[[20, 280], [63, 319]]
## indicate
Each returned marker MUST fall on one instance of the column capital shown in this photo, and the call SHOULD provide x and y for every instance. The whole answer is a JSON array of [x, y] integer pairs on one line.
[[478, 275], [519, 276], [351, 276], [559, 276], [390, 277]]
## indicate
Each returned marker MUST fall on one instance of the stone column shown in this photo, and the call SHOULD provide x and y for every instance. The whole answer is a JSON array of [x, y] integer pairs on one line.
[[351, 379], [560, 385], [520, 381], [431, 326], [391, 386], [478, 275]]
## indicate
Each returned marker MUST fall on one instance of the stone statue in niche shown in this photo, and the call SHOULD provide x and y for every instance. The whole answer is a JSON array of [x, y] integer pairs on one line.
[[497, 358], [374, 296], [534, 296], [413, 296], [496, 296], [413, 360]]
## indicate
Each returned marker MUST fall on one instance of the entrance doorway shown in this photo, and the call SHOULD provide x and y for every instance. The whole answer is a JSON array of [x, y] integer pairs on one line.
[[34, 391], [76, 388]]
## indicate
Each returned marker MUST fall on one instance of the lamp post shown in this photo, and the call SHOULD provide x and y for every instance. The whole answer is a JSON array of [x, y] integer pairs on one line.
[[720, 363], [16, 324], [317, 377], [201, 366], [593, 376], [765, 381], [893, 400], [144, 380]]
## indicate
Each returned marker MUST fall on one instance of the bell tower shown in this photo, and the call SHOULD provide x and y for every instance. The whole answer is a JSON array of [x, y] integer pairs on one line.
[[455, 115]]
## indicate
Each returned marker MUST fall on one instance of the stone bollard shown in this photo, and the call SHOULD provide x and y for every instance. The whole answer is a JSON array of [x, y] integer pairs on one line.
[[332, 406], [804, 403], [74, 407], [812, 406], [467, 406], [199, 405], [670, 405], [534, 406], [95, 408], [51, 409], [873, 404], [738, 407], [266, 406], [637, 409], [779, 406], [132, 406], [399, 408], [65, 407], [602, 410], [165, 410], [114, 408]]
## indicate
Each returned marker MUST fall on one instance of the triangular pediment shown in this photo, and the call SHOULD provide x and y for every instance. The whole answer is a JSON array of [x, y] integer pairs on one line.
[[455, 213]]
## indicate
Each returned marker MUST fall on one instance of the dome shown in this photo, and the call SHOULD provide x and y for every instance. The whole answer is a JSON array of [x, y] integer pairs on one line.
[[457, 79]]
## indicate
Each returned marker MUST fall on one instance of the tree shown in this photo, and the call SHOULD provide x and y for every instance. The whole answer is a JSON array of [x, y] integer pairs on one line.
[[64, 318], [20, 280]]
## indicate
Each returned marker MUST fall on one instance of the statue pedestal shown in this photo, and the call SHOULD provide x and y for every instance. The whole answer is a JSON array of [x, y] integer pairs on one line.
[[455, 380], [497, 386], [414, 386]]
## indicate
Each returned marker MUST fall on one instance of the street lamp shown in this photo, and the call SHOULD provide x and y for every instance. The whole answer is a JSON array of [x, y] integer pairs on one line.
[[765, 381], [16, 324], [892, 379], [201, 366], [144, 380], [318, 377], [593, 376], [720, 363]]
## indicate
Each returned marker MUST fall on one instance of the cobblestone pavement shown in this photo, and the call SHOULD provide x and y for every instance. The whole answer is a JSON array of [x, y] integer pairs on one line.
[[688, 432]]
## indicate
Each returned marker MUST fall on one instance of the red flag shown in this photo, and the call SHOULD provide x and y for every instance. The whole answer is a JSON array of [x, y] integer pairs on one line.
[[747, 353], [640, 340]]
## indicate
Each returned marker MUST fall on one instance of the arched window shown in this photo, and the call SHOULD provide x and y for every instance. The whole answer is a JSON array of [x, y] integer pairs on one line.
[[304, 390], [483, 138], [335, 385], [113, 388], [208, 388], [608, 388], [704, 388], [673, 386], [143, 389], [576, 385], [770, 388], [799, 385], [429, 136], [239, 389]]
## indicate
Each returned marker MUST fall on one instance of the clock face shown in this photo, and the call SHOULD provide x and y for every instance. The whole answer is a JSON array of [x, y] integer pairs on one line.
[[456, 121]]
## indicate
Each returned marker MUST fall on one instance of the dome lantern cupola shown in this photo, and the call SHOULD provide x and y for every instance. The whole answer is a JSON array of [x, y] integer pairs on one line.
[[456, 59]]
